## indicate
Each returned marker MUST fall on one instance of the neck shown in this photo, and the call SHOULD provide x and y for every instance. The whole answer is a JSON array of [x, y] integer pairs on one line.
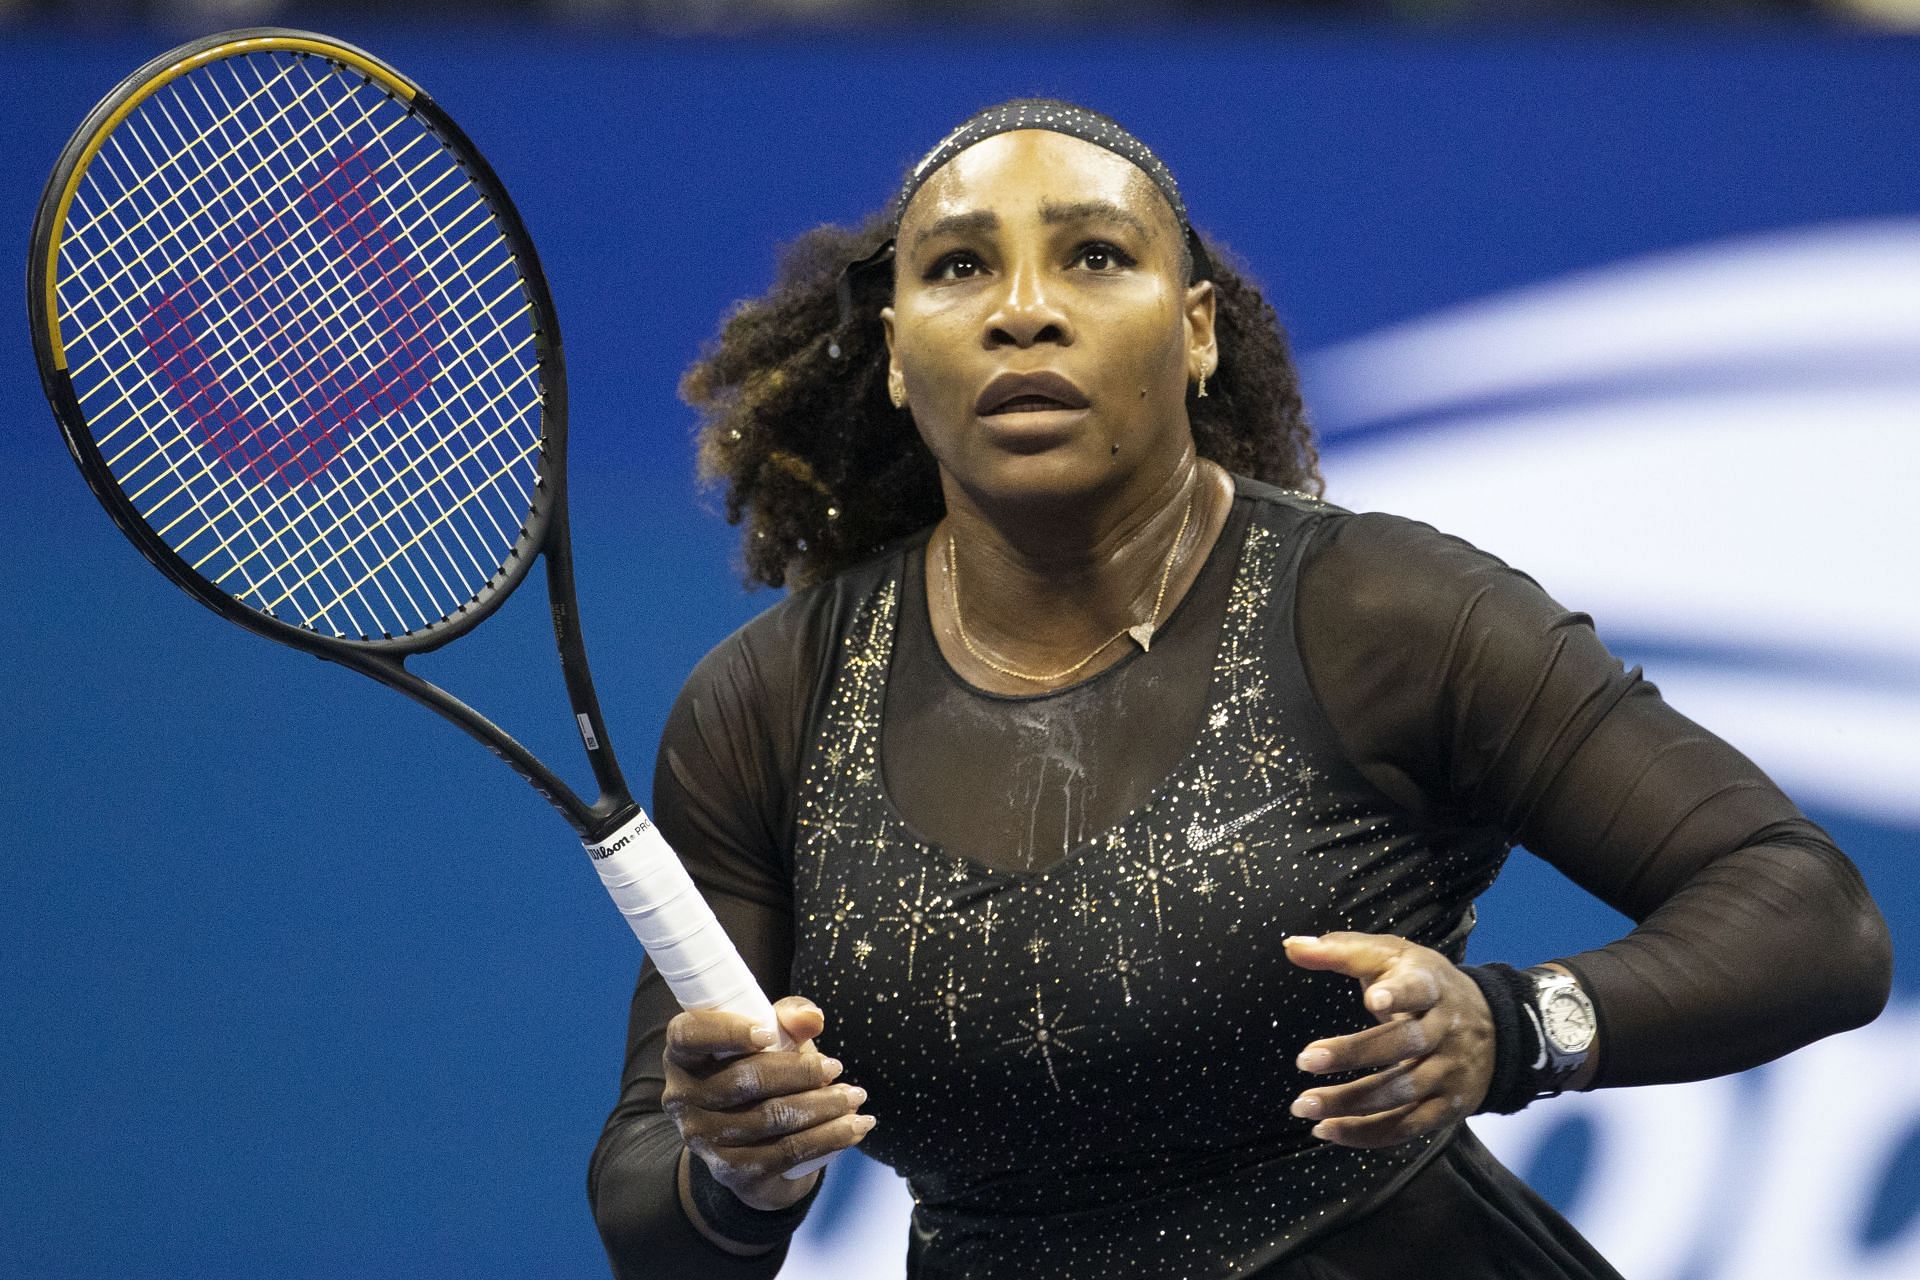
[[1039, 590], [1058, 544]]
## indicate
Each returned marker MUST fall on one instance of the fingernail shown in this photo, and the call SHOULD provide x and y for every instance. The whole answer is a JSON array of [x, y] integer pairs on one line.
[[1314, 1060], [1298, 937], [864, 1123], [856, 1095], [1379, 1001], [832, 1067], [763, 1036], [1306, 1107], [1323, 1130]]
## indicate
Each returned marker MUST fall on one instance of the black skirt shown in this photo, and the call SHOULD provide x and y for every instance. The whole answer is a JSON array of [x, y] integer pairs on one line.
[[1463, 1216]]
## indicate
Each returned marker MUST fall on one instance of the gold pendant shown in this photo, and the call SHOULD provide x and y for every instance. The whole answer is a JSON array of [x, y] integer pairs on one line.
[[1142, 634]]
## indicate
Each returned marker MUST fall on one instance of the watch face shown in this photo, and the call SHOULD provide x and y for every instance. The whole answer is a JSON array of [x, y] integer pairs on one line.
[[1568, 1020]]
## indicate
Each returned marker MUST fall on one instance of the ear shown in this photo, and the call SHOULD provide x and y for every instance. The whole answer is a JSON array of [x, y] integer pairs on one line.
[[886, 327], [1203, 354]]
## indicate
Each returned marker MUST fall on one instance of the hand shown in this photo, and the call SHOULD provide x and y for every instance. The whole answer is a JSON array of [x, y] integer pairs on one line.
[[752, 1114], [1435, 1042]]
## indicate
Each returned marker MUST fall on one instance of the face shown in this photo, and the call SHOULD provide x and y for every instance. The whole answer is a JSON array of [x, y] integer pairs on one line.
[[1041, 316]]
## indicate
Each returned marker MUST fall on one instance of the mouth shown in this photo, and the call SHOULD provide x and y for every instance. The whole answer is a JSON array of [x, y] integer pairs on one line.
[[1029, 404], [1042, 391]]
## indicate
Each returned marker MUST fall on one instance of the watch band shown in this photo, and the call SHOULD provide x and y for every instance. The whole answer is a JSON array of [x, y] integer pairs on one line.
[[1534, 1011], [1564, 1026]]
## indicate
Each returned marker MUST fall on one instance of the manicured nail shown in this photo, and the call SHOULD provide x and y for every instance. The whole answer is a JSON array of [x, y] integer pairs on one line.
[[1314, 1060], [1306, 1106], [1298, 937], [856, 1095], [832, 1067], [1379, 1000], [864, 1123], [1323, 1130], [763, 1036]]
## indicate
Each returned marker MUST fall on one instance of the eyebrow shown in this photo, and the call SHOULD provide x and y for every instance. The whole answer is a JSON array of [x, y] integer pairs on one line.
[[978, 220], [1095, 211], [957, 224]]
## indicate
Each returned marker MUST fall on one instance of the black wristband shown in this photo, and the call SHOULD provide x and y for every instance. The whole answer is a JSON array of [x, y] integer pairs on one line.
[[1515, 1043], [730, 1216]]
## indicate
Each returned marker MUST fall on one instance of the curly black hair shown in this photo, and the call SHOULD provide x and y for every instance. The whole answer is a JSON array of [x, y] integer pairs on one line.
[[822, 470]]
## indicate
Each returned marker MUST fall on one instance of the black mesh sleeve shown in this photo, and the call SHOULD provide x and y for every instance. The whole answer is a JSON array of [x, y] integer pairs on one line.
[[1460, 688], [720, 789]]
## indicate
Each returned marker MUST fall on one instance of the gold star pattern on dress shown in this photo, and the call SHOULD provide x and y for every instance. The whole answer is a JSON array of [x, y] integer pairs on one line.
[[837, 917], [1204, 781], [1125, 965], [987, 920], [1044, 1036], [950, 1002], [1260, 757], [1150, 872], [917, 918]]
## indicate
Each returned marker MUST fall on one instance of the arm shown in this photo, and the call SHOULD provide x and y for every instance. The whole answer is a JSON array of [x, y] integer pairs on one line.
[[1467, 694], [719, 785]]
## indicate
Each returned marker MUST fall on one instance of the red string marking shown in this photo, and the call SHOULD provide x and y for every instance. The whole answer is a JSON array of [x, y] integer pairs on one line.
[[309, 381]]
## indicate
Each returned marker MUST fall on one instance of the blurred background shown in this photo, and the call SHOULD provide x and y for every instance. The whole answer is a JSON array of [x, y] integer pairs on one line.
[[297, 982]]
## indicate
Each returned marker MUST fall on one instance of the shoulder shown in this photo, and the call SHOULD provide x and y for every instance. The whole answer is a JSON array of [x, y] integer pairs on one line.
[[776, 659], [1387, 571], [731, 750], [1378, 565]]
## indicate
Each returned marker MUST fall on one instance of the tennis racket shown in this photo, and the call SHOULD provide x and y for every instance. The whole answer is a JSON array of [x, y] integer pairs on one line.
[[300, 344]]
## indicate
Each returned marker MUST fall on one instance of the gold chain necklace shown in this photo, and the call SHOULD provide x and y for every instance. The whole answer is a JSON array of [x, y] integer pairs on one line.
[[1142, 632]]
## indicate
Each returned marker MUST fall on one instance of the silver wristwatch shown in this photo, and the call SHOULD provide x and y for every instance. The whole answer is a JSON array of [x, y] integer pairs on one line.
[[1564, 1024]]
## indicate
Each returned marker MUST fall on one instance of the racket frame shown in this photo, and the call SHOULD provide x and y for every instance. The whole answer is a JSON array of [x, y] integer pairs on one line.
[[545, 532]]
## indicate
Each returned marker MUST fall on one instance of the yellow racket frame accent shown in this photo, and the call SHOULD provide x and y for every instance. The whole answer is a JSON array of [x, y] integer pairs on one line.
[[389, 79]]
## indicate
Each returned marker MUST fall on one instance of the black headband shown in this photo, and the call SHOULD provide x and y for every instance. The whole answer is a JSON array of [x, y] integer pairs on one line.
[[1028, 113]]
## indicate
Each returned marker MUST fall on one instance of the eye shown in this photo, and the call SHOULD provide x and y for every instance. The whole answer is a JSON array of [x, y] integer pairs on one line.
[[959, 265], [1102, 258]]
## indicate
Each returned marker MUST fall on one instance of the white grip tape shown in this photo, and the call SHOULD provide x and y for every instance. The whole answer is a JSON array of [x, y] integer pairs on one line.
[[675, 924], [678, 929]]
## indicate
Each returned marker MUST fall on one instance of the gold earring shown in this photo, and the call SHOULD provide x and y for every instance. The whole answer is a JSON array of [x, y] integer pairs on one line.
[[897, 392], [1201, 394]]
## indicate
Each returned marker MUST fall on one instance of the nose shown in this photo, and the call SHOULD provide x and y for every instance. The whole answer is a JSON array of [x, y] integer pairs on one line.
[[1028, 312]]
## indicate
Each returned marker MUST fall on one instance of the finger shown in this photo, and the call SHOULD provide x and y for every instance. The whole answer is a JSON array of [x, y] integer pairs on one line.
[[766, 1160], [697, 1037], [1403, 1036], [1358, 955], [1409, 985], [800, 1018], [1398, 1086], [751, 1080], [776, 1117], [1389, 1128]]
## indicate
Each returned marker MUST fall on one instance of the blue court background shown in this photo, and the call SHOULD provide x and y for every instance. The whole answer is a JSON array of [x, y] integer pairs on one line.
[[295, 981]]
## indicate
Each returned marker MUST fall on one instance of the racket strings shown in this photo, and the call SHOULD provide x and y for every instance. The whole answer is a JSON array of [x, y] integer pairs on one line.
[[312, 386], [250, 283], [356, 288], [157, 394]]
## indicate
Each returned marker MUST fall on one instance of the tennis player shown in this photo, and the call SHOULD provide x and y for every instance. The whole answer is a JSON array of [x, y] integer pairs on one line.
[[1116, 807]]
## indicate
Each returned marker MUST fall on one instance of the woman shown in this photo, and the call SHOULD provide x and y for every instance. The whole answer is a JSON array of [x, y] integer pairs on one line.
[[1122, 816]]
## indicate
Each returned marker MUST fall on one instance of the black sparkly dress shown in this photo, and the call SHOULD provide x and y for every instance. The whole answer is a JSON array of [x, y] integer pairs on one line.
[[1046, 931]]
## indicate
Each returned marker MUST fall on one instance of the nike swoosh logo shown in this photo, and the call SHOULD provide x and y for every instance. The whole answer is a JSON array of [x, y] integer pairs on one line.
[[1539, 1035], [1199, 839]]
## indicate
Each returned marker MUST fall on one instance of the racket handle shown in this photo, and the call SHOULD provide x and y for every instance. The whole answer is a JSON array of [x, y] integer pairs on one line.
[[664, 909]]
